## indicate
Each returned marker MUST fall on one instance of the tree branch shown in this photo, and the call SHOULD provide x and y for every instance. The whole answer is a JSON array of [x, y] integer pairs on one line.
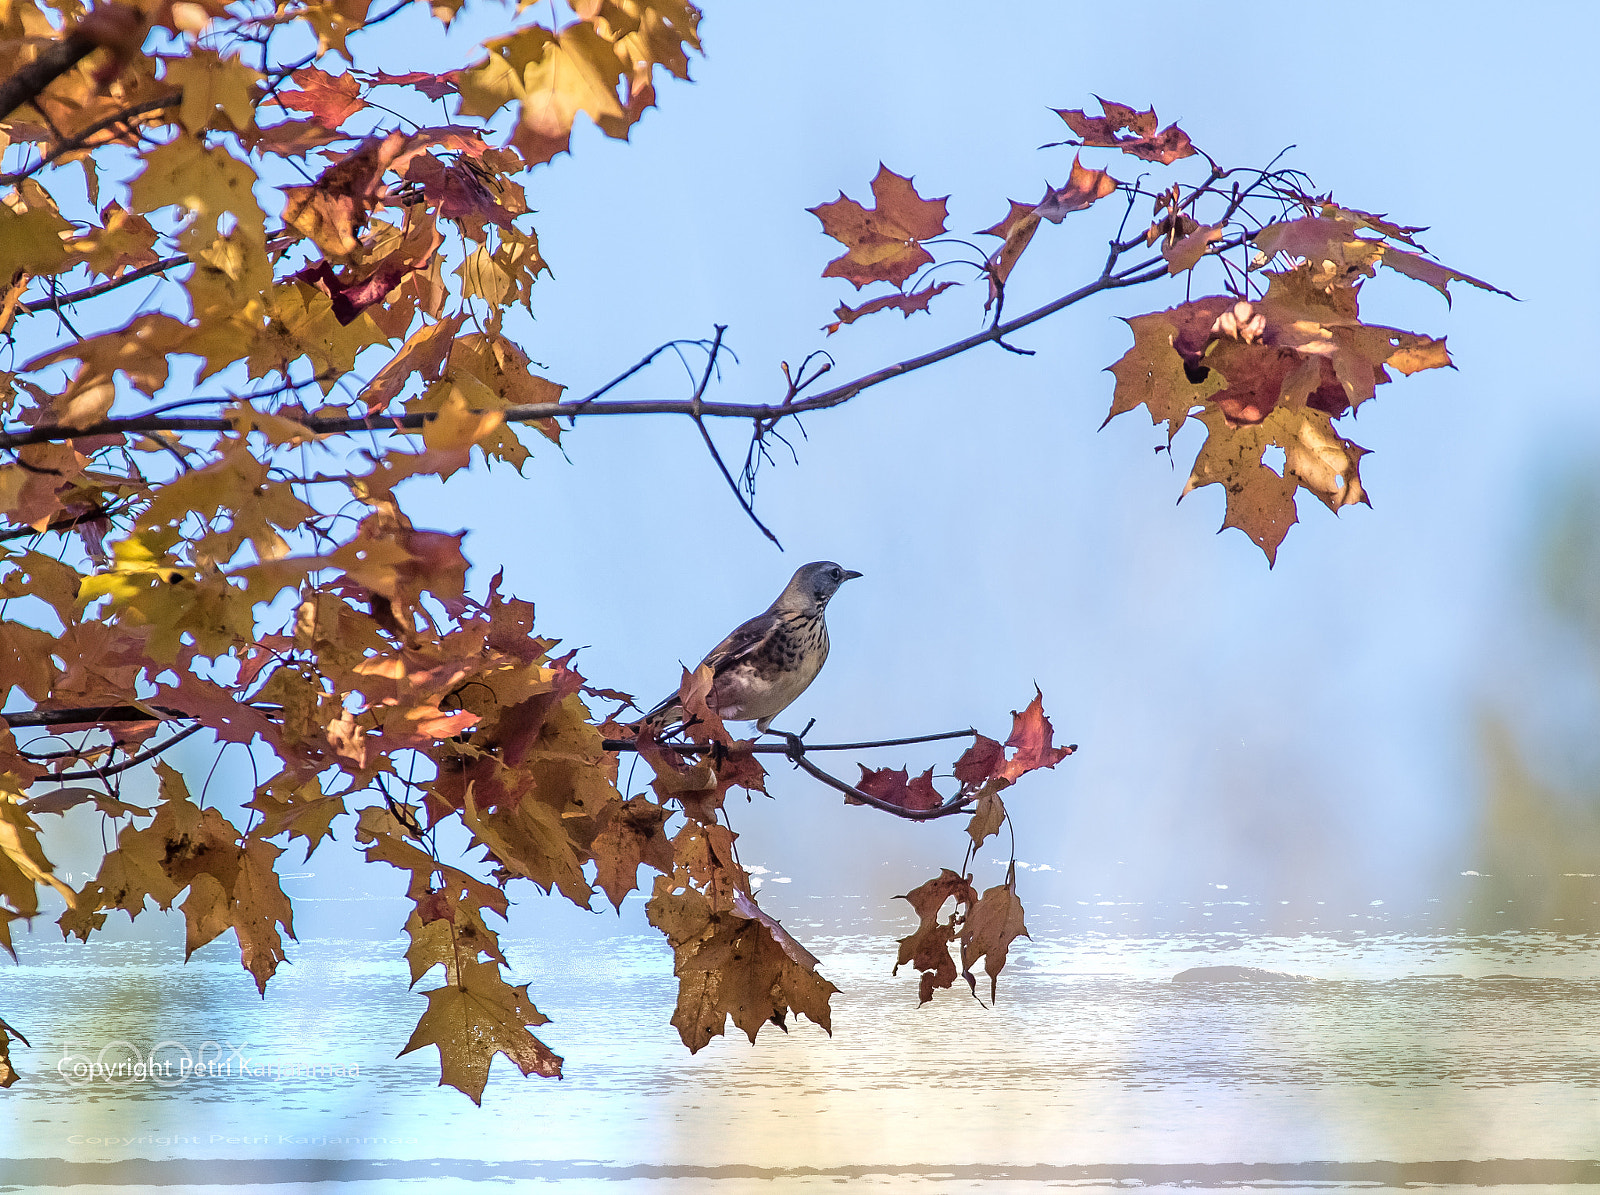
[[91, 715], [782, 749], [53, 61], [110, 284], [796, 751], [795, 748], [1145, 271], [81, 138], [94, 773]]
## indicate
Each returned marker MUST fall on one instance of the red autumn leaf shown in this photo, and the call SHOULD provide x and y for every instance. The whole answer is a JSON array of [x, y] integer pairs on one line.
[[435, 87], [979, 761], [292, 138], [1166, 147], [456, 192], [890, 784], [1082, 188], [1103, 130], [330, 99], [884, 242], [1032, 736], [355, 288], [904, 304], [332, 210]]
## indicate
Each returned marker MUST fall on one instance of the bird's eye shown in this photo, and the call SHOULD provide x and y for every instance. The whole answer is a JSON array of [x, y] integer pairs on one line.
[[837, 574]]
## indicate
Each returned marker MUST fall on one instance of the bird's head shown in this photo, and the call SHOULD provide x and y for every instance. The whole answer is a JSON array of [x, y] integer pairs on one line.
[[813, 584]]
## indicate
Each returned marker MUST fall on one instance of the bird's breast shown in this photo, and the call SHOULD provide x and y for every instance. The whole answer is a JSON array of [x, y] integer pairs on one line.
[[765, 683]]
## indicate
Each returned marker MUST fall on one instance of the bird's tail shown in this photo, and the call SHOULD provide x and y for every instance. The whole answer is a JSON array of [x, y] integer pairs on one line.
[[664, 714]]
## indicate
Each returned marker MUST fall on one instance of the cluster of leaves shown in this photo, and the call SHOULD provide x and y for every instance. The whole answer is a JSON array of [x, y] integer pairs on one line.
[[194, 542], [1272, 362]]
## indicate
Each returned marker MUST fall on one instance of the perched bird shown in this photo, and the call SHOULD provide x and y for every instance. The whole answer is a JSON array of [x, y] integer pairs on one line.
[[767, 662]]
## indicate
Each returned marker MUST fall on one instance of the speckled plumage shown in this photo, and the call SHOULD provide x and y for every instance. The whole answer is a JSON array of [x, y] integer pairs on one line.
[[759, 670]]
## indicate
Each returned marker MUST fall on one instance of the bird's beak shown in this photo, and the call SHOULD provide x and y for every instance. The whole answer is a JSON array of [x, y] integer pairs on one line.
[[850, 574]]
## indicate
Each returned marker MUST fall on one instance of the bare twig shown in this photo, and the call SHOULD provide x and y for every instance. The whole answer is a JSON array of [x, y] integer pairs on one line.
[[795, 748], [91, 715], [711, 446], [93, 773]]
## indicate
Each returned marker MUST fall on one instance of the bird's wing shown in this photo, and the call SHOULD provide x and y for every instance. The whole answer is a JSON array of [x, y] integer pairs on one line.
[[747, 639]]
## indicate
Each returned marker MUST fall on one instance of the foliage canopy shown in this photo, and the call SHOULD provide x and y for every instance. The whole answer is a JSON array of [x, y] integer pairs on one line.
[[199, 490]]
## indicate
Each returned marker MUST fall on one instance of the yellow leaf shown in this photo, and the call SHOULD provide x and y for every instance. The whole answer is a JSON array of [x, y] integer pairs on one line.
[[211, 82], [457, 426], [203, 180], [477, 1017]]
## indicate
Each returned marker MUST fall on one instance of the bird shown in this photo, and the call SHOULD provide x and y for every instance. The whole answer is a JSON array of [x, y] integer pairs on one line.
[[767, 662]]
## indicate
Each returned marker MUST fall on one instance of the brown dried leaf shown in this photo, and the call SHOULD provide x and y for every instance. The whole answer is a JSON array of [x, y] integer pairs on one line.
[[884, 242], [990, 928], [1166, 147]]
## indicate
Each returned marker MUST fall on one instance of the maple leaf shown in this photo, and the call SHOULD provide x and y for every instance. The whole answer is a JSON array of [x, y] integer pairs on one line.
[[355, 288], [631, 835], [1016, 229], [23, 867], [333, 209], [293, 138], [424, 352], [988, 931], [1143, 141], [301, 810], [1032, 736], [1260, 501], [905, 304], [330, 99], [1153, 374], [891, 785], [125, 241], [8, 1074], [213, 84], [884, 242], [458, 192], [1424, 269], [1333, 250], [475, 1018], [928, 949], [435, 87], [205, 180], [1185, 252], [1083, 187], [733, 966], [978, 762]]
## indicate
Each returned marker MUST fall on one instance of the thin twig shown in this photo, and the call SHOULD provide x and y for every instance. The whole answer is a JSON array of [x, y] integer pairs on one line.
[[796, 751], [780, 749], [711, 446], [135, 761]]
